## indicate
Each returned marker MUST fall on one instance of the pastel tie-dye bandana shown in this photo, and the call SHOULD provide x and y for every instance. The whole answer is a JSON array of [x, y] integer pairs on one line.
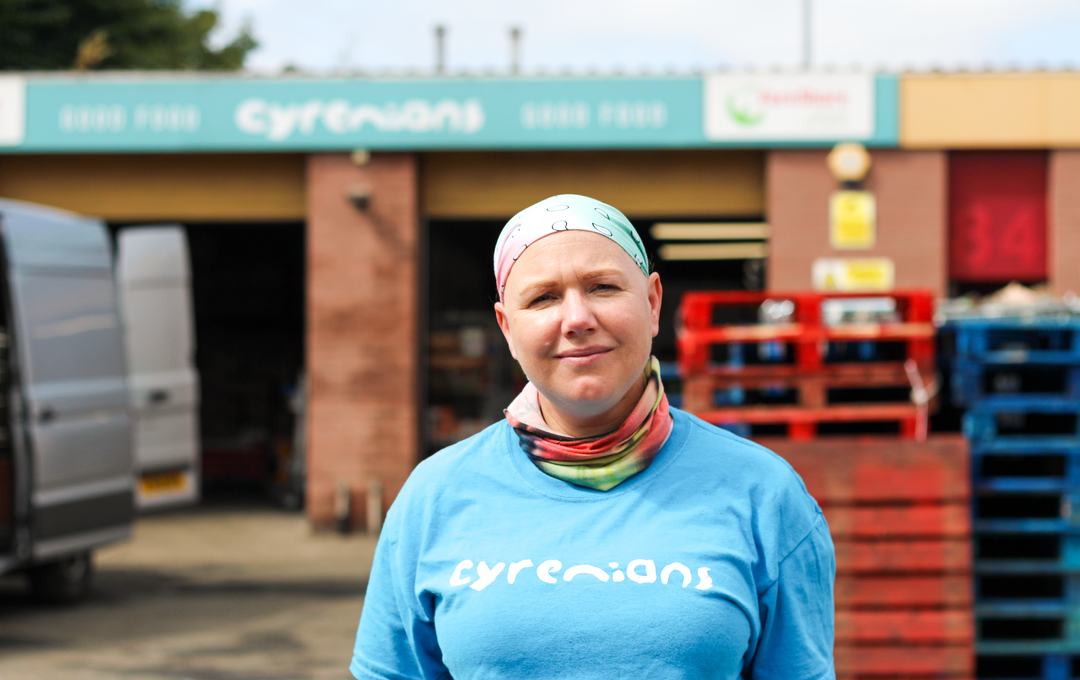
[[601, 462], [562, 213]]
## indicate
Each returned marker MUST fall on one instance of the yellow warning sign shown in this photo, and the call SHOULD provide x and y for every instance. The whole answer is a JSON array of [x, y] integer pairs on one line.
[[867, 274], [852, 220]]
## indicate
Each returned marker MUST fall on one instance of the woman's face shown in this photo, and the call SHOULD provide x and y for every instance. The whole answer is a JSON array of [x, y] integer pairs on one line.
[[580, 316]]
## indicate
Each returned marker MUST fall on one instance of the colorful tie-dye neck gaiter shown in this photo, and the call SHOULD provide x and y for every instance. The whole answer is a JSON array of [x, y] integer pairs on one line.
[[601, 462]]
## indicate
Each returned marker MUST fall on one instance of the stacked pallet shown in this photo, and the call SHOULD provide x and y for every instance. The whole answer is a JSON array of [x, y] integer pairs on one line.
[[1020, 381], [801, 373], [898, 511], [898, 506]]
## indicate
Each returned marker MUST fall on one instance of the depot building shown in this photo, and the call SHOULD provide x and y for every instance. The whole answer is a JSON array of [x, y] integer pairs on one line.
[[341, 230]]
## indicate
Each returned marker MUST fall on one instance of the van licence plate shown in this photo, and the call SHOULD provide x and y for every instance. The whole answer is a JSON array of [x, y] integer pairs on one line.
[[162, 483]]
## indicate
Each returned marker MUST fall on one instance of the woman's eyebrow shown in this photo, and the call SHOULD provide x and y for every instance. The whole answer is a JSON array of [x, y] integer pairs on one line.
[[602, 273], [530, 289], [536, 287]]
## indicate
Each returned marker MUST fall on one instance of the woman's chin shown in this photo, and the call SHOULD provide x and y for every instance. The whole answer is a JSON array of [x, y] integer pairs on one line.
[[587, 402]]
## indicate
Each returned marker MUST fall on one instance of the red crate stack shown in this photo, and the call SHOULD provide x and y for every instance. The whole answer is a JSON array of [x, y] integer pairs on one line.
[[808, 372], [898, 506], [898, 511]]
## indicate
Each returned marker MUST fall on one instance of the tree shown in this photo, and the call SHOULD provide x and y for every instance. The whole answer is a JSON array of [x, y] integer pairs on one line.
[[113, 34]]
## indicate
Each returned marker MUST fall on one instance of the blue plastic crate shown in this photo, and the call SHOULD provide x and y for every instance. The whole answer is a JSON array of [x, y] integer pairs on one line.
[[987, 419], [1031, 666], [1038, 339], [968, 381], [1032, 594], [1027, 445], [1027, 526], [1030, 626], [1024, 484], [1062, 565], [1032, 608], [1025, 468], [1055, 511], [1027, 553], [1017, 647]]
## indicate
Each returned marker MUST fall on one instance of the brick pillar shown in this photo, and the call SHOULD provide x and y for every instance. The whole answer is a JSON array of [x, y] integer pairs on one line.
[[362, 324], [911, 189], [1064, 221]]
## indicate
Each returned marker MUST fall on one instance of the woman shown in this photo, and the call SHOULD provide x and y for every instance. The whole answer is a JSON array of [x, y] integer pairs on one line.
[[596, 533]]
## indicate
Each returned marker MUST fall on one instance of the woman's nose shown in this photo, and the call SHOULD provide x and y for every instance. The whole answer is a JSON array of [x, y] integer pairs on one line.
[[578, 314]]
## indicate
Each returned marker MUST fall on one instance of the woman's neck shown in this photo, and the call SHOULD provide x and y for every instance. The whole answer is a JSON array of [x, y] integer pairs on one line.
[[563, 421]]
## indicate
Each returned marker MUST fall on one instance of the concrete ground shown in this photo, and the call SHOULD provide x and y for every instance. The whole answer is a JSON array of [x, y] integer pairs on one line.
[[219, 593]]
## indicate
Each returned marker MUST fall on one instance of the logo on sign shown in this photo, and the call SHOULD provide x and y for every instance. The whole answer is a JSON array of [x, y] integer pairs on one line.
[[745, 107], [12, 111], [278, 121], [789, 107]]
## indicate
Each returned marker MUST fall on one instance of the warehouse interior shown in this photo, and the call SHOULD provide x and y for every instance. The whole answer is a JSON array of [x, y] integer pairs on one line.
[[248, 290]]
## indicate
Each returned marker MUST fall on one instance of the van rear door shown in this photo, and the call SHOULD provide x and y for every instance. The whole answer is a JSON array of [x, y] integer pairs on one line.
[[73, 411], [154, 282]]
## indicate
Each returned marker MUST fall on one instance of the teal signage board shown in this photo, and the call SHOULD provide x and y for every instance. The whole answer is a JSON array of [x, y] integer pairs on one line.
[[117, 113]]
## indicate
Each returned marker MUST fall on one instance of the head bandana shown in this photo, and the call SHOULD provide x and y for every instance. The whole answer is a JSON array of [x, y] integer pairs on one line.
[[562, 213]]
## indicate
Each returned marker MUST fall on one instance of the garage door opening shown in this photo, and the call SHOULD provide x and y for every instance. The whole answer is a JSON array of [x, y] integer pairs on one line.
[[248, 289]]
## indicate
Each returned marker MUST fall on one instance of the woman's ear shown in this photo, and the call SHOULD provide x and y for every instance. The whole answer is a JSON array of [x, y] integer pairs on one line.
[[504, 326], [656, 297]]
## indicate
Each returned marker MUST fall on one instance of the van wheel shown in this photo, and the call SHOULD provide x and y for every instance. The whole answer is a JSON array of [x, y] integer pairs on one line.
[[63, 581]]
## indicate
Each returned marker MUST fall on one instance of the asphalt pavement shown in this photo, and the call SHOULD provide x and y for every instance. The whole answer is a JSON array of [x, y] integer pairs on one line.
[[213, 593]]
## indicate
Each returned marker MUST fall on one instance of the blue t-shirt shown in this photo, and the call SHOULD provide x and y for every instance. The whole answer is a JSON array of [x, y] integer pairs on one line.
[[714, 562]]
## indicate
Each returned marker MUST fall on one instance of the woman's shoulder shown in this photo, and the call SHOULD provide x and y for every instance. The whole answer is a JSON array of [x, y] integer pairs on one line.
[[721, 450], [463, 460], [745, 472]]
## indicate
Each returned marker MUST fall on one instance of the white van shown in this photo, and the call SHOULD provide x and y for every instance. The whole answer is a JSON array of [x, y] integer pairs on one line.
[[66, 473], [153, 275]]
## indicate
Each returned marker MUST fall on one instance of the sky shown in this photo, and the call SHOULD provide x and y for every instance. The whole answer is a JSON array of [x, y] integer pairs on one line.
[[653, 36]]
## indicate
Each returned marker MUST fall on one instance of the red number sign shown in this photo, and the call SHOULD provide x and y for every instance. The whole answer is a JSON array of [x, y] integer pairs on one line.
[[997, 216]]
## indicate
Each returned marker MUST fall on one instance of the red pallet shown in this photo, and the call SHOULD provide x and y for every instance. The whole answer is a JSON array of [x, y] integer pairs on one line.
[[802, 423], [927, 626], [951, 556], [815, 400], [808, 377], [902, 521], [898, 511], [879, 470], [904, 661], [906, 591], [757, 376], [697, 331]]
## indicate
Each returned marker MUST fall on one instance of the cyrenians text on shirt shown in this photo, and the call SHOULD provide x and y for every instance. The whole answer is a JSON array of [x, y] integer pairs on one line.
[[638, 571]]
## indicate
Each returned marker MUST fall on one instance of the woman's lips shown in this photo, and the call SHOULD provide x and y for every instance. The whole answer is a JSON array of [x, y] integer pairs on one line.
[[580, 356]]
